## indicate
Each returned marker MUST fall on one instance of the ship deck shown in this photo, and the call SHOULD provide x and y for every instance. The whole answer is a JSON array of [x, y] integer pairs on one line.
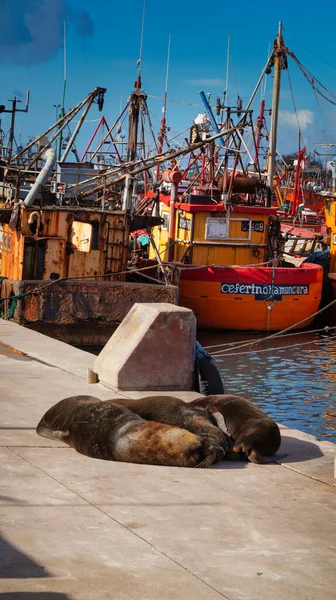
[[83, 529]]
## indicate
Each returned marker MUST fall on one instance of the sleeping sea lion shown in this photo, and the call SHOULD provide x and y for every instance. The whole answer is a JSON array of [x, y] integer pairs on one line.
[[104, 430], [255, 435], [174, 411]]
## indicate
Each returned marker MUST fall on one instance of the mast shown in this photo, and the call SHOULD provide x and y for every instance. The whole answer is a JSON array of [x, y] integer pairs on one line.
[[136, 100], [163, 128], [279, 64], [62, 112], [226, 91]]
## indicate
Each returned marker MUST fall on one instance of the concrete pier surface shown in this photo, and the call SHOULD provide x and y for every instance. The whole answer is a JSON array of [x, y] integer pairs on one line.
[[83, 529]]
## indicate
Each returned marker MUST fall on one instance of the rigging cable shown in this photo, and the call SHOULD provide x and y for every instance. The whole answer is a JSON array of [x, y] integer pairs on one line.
[[234, 75], [301, 140], [325, 329], [277, 348], [312, 80], [318, 101]]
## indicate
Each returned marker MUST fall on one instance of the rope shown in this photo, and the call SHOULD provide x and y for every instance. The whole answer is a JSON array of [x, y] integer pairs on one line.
[[171, 100], [234, 75], [280, 333], [40, 289], [312, 80], [326, 329], [313, 53], [276, 348], [318, 102], [294, 106], [200, 267]]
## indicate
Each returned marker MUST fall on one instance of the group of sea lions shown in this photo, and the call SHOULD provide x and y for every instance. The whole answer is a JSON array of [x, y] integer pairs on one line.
[[163, 430]]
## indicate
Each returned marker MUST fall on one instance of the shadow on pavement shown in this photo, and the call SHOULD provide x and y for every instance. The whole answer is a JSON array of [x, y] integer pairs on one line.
[[297, 450], [34, 596], [14, 564]]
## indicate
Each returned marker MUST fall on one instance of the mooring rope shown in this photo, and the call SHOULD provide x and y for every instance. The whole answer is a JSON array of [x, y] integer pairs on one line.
[[326, 329], [279, 333], [276, 348]]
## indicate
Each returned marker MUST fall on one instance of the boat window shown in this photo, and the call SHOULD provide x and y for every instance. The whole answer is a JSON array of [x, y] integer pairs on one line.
[[165, 224], [290, 246], [309, 246], [95, 236], [300, 246], [216, 229]]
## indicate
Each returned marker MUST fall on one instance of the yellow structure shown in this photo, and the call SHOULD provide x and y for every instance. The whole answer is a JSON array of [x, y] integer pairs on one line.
[[204, 235], [330, 208], [223, 267]]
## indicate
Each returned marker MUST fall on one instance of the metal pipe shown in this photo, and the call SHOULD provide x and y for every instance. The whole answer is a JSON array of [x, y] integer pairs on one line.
[[51, 141], [211, 116], [50, 158], [128, 193], [77, 128]]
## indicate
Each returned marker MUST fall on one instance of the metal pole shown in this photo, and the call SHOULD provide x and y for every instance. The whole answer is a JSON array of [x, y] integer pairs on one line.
[[278, 47], [258, 84], [51, 141], [71, 114], [109, 132], [211, 117], [11, 131], [57, 106], [172, 221], [77, 128], [163, 129]]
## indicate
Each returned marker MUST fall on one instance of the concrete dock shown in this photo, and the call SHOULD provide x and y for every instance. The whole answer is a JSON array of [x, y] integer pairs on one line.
[[83, 529]]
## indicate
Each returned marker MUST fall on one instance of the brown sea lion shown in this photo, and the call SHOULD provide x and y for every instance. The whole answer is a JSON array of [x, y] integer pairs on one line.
[[110, 432], [255, 435], [174, 411]]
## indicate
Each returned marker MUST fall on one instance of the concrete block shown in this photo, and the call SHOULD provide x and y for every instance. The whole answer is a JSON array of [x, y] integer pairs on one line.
[[152, 349]]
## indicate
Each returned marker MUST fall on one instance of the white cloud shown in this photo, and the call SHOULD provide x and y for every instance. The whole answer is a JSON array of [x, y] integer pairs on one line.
[[211, 82], [288, 117]]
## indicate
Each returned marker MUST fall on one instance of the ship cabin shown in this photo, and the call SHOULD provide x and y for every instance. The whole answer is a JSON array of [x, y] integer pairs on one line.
[[197, 229], [52, 243]]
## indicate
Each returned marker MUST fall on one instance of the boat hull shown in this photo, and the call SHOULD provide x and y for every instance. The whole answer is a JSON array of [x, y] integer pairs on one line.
[[79, 312], [251, 298]]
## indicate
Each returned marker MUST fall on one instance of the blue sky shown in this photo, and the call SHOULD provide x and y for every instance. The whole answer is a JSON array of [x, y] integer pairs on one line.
[[103, 41]]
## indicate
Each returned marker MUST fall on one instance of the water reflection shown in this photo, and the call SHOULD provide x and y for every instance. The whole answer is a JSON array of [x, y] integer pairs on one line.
[[295, 385]]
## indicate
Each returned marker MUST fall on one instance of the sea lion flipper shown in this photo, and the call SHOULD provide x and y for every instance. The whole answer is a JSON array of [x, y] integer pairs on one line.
[[209, 460], [63, 436], [43, 430]]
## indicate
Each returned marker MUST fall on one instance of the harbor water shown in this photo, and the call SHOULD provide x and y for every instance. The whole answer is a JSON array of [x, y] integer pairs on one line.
[[292, 379]]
